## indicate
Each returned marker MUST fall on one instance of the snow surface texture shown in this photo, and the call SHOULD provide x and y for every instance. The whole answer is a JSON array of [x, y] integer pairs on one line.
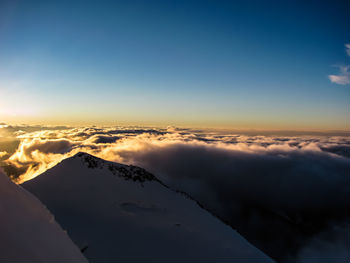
[[120, 213], [28, 232]]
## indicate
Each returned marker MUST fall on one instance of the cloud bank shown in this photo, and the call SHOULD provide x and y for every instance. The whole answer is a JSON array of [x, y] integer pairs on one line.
[[43, 148]]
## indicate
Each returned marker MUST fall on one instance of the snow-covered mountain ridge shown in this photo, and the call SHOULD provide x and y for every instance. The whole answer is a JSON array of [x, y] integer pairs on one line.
[[121, 213]]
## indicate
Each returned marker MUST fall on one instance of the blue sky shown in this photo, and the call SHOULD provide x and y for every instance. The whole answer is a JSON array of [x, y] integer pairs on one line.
[[237, 64]]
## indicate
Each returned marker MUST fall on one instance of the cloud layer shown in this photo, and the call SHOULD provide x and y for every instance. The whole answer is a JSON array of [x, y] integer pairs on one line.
[[43, 148]]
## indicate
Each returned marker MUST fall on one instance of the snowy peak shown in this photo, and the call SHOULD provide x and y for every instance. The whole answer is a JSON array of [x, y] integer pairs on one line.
[[128, 172], [112, 210]]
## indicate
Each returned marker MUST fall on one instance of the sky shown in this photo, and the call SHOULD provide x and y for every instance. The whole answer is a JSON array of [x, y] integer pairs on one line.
[[225, 64]]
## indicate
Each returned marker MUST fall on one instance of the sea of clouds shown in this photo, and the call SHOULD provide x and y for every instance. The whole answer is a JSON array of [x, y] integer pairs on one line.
[[294, 174]]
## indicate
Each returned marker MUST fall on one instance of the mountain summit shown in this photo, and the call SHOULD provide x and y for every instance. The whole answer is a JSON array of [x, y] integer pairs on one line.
[[122, 213]]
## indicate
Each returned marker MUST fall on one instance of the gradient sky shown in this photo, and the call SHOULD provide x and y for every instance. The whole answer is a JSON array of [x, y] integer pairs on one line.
[[233, 64]]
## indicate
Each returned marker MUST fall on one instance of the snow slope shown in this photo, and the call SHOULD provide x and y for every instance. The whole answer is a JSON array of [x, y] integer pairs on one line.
[[28, 232], [120, 213]]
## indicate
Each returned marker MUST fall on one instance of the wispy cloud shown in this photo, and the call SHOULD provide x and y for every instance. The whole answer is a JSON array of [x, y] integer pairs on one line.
[[343, 78], [347, 46]]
